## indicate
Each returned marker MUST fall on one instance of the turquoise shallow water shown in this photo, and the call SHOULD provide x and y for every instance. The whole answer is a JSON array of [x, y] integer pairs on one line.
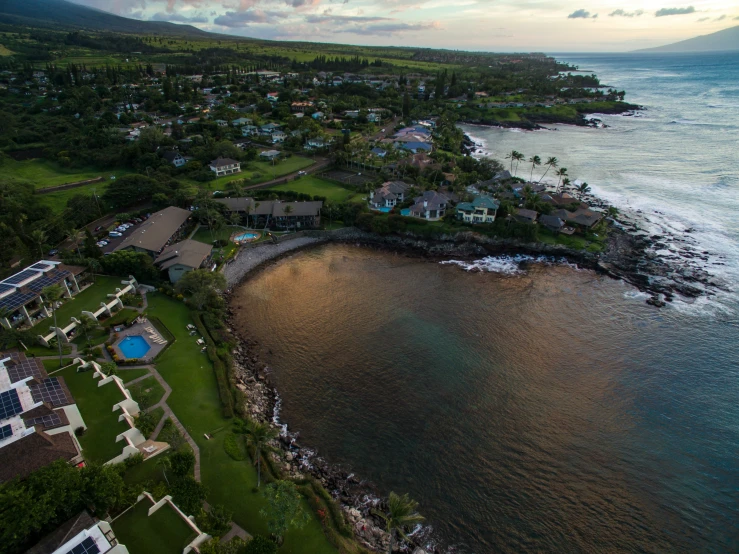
[[548, 411]]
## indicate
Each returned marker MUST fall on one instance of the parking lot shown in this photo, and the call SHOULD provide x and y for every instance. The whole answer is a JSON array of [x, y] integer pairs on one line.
[[103, 233]]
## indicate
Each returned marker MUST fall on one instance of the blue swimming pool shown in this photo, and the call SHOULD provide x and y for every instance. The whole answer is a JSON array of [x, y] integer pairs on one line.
[[134, 346], [386, 210], [246, 236], [405, 212]]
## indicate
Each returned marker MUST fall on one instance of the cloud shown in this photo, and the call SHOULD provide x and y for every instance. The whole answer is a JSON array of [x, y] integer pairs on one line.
[[179, 18], [702, 19], [674, 11], [622, 13], [369, 25], [720, 18], [252, 15], [581, 14]]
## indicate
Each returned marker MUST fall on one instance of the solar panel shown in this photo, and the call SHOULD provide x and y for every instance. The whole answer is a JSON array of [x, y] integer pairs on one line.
[[87, 546], [5, 431], [50, 420], [10, 404], [5, 288], [50, 390], [17, 299], [20, 277], [41, 266], [22, 368], [47, 280]]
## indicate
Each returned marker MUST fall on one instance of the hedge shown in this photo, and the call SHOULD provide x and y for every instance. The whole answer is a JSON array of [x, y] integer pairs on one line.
[[234, 447], [224, 390]]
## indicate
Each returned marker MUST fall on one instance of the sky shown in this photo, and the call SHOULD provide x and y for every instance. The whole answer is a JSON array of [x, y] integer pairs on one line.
[[491, 25]]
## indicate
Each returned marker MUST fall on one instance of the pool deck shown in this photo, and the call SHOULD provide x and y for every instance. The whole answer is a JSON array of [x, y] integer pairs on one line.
[[140, 329], [255, 235]]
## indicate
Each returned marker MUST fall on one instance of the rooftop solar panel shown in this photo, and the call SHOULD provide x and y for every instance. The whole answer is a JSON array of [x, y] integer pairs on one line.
[[5, 287], [20, 368], [50, 390], [41, 266], [17, 299], [51, 420], [87, 546], [20, 277], [6, 431], [47, 280], [10, 404]]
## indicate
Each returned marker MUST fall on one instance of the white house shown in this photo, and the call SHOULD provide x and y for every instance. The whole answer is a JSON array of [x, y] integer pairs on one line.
[[278, 136], [175, 158], [389, 195], [225, 166]]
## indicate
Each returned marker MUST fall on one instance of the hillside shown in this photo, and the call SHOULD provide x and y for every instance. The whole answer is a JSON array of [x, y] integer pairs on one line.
[[62, 14], [721, 41]]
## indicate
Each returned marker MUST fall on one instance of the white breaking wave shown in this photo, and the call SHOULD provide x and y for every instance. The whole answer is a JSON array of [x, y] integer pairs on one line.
[[507, 265]]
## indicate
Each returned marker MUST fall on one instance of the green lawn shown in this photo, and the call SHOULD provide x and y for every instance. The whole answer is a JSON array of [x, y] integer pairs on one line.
[[39, 350], [148, 387], [195, 401], [127, 375], [164, 532], [258, 172], [88, 300], [57, 201], [53, 365], [96, 406], [43, 173], [315, 186], [96, 337], [203, 234]]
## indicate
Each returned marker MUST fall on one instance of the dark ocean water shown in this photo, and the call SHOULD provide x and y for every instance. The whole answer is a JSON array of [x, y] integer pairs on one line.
[[549, 410]]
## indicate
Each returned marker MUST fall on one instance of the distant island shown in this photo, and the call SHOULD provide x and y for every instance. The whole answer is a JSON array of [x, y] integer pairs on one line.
[[720, 41]]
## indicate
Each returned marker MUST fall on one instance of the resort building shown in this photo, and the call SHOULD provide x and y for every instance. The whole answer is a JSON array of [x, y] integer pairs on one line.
[[389, 195], [21, 304], [431, 205], [481, 210], [81, 534], [161, 229], [181, 257], [38, 417], [225, 166], [275, 213]]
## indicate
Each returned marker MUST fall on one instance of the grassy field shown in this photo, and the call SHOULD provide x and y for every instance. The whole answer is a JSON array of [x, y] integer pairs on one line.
[[96, 406], [88, 300], [315, 186], [57, 201], [148, 387], [127, 375], [195, 401], [163, 532], [43, 173], [257, 172]]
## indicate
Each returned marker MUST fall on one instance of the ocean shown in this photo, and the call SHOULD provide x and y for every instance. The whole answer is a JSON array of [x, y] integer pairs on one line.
[[539, 407]]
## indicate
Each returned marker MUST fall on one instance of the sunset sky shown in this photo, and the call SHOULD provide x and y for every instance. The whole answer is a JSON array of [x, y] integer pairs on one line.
[[496, 25]]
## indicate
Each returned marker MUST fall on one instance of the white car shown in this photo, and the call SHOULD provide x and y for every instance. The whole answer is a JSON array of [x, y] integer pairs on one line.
[[103, 242], [115, 234]]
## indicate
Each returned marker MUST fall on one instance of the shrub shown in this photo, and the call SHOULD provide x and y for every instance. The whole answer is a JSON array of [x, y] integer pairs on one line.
[[260, 545], [79, 431], [188, 494], [134, 460], [183, 463], [146, 423], [234, 447]]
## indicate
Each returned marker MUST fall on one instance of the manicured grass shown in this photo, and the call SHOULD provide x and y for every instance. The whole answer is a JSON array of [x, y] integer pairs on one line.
[[127, 375], [147, 473], [39, 350], [53, 365], [203, 234], [315, 186], [149, 386], [88, 300], [257, 172], [43, 173], [163, 532], [120, 316], [96, 337], [195, 401], [96, 406], [57, 201]]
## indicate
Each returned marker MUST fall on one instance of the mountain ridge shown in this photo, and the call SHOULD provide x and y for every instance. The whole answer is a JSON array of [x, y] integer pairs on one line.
[[726, 40]]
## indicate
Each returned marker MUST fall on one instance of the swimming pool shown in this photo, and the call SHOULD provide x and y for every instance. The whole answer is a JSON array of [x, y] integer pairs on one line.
[[385, 210], [405, 212], [134, 346], [243, 237]]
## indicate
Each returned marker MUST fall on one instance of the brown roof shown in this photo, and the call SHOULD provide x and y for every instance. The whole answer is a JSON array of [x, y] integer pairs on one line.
[[22, 457], [526, 216], [62, 534], [153, 234], [190, 253]]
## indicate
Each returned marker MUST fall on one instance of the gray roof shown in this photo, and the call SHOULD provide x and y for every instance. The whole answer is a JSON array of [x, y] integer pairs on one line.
[[221, 162], [551, 221], [153, 234], [433, 199], [582, 216], [298, 208], [275, 208], [190, 253], [526, 215]]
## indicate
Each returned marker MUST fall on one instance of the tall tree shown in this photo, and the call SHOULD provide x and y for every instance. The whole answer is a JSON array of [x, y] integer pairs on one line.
[[53, 294], [284, 508], [550, 163], [561, 172], [534, 161], [402, 515], [258, 437]]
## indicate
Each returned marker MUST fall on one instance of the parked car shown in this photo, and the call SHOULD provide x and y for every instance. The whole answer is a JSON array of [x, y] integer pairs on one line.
[[53, 252], [99, 228], [103, 243], [301, 173], [137, 220], [115, 234]]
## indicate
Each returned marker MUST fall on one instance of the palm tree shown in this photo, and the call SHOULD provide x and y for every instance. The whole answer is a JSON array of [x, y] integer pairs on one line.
[[561, 172], [94, 266], [54, 293], [165, 463], [565, 183], [38, 238], [516, 156], [86, 325], [258, 436], [612, 211], [550, 163], [583, 189], [534, 161], [288, 210], [402, 514]]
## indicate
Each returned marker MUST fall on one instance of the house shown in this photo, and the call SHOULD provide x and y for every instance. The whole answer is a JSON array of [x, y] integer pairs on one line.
[[351, 114], [525, 216], [221, 122], [162, 228], [563, 199], [275, 213], [315, 144], [81, 534], [175, 158], [20, 294], [582, 217], [181, 257], [482, 209], [269, 154], [240, 122], [389, 195], [414, 147], [38, 418], [273, 96], [242, 144], [318, 116], [431, 205], [225, 166], [278, 136], [249, 130], [374, 117], [551, 222]]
